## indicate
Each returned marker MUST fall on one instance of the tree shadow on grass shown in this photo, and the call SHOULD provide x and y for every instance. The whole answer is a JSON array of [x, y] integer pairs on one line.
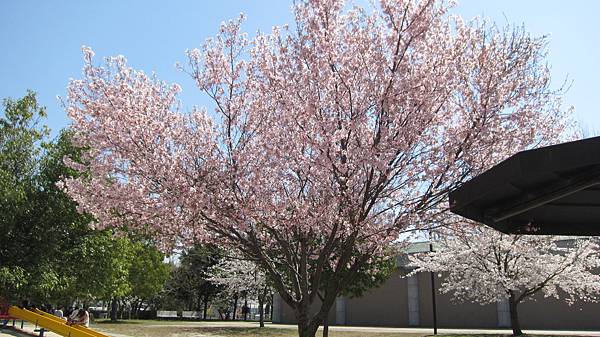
[[108, 321], [238, 331], [139, 330]]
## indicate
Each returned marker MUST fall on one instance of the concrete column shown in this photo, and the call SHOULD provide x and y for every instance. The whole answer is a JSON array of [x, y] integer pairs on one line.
[[276, 308], [413, 300], [503, 313], [340, 311]]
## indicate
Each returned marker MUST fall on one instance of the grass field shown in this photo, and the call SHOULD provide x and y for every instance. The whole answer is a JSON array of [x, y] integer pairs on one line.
[[210, 329], [234, 329]]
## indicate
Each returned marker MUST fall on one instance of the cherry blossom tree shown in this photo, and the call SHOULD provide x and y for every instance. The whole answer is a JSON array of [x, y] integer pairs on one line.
[[240, 276], [487, 266], [327, 140]]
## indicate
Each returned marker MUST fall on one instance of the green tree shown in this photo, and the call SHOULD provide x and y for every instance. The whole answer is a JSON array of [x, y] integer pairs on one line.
[[49, 252], [61, 229], [97, 264], [189, 283], [103, 268], [147, 274], [22, 137]]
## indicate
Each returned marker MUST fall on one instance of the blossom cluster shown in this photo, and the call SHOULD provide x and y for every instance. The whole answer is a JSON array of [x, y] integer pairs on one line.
[[486, 266], [324, 142]]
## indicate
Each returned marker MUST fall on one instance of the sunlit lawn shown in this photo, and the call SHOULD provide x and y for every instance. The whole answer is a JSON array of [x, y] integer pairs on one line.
[[152, 328], [196, 329]]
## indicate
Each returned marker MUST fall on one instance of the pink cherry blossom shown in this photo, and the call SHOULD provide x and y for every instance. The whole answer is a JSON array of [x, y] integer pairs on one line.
[[324, 143]]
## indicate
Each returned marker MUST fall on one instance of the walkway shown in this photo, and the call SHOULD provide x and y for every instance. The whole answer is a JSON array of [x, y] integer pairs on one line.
[[448, 331], [29, 328]]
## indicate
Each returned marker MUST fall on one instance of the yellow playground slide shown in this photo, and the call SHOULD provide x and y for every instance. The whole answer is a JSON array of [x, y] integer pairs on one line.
[[53, 323]]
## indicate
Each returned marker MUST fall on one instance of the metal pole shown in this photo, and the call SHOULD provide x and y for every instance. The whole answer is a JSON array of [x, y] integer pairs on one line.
[[433, 297]]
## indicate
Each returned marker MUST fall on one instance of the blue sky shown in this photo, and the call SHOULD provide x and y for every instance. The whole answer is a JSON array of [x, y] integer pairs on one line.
[[40, 41]]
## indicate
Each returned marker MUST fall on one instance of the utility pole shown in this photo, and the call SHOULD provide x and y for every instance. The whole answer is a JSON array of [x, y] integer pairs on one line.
[[433, 296]]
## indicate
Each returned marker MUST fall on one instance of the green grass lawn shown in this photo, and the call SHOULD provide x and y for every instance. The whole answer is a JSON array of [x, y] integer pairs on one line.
[[154, 328], [210, 329], [241, 332]]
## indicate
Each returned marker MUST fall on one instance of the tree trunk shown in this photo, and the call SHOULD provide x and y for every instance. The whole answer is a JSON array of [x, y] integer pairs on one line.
[[114, 306], [246, 308], [205, 307], [235, 303], [199, 302], [138, 307], [326, 325], [261, 309], [272, 307], [307, 331], [267, 308], [134, 308], [307, 325], [514, 316], [121, 309]]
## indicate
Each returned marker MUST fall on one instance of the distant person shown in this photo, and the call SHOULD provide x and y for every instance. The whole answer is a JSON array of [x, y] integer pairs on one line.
[[68, 311], [26, 304], [80, 317], [59, 313], [73, 313]]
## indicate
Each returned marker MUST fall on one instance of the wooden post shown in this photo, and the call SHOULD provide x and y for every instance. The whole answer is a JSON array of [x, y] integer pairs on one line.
[[433, 296]]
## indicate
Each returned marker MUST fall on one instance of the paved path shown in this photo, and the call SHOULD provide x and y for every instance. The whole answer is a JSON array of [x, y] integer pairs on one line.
[[28, 331], [29, 328], [427, 331], [445, 331]]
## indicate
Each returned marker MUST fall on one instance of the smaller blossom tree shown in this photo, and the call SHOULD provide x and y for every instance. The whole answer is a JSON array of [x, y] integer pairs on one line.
[[240, 276], [487, 266]]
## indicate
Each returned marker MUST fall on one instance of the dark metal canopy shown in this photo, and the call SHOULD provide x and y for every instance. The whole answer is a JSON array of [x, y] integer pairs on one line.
[[549, 190]]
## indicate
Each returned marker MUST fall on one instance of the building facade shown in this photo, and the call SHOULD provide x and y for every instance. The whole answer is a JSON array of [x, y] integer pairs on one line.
[[407, 302]]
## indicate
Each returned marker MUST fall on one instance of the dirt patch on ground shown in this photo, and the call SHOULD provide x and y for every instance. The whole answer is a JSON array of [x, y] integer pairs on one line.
[[153, 330]]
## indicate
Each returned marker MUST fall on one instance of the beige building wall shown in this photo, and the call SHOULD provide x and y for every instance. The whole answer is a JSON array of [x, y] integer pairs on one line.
[[383, 306], [550, 313], [451, 314], [388, 305]]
